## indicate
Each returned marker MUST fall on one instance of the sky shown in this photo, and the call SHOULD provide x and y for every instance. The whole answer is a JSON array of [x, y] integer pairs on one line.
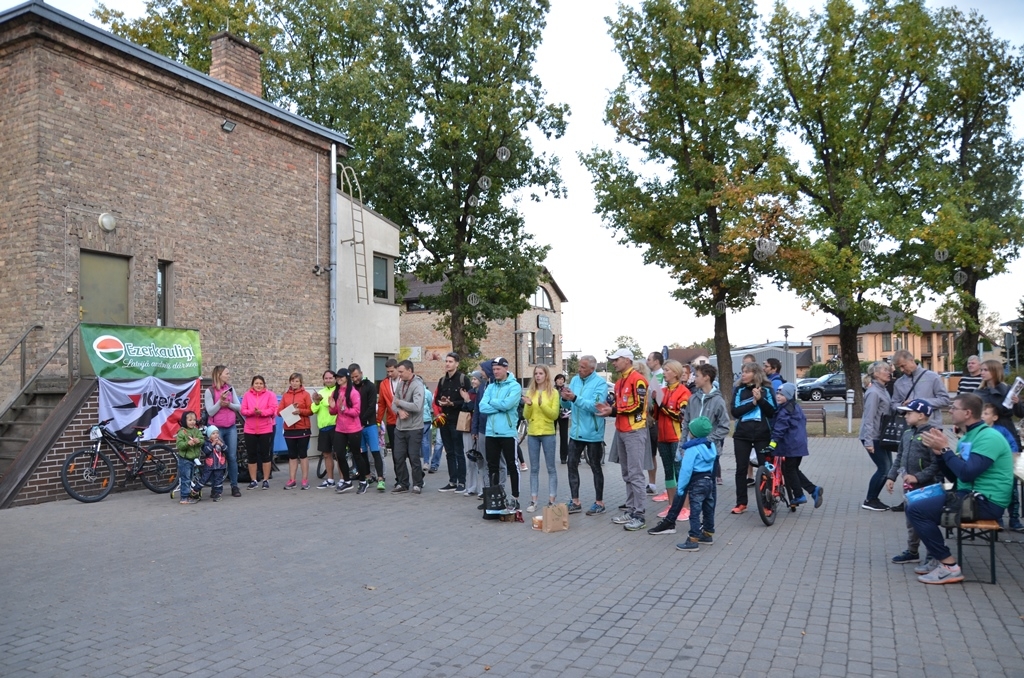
[[610, 291]]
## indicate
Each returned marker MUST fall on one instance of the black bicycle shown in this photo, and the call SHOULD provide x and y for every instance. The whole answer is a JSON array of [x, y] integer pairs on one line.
[[88, 475]]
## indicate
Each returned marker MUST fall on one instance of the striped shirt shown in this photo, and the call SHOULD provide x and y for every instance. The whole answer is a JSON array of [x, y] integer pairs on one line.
[[968, 384]]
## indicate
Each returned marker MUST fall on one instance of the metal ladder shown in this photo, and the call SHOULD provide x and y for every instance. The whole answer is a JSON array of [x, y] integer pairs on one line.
[[350, 186]]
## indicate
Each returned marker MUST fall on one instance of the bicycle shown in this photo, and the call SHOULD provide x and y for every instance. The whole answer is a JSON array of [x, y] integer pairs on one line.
[[88, 475], [834, 364], [770, 489]]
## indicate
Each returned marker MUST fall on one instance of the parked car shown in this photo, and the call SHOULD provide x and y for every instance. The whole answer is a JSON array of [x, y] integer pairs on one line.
[[822, 388]]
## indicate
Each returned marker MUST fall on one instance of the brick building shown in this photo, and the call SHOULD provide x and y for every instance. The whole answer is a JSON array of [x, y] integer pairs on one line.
[[532, 338], [135, 190]]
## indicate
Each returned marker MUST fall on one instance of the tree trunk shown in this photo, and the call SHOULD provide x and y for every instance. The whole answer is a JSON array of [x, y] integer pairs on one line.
[[457, 328], [967, 343], [851, 363], [723, 352]]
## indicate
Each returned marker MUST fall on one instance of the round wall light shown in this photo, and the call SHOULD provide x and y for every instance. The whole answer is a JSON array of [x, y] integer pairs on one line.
[[108, 222]]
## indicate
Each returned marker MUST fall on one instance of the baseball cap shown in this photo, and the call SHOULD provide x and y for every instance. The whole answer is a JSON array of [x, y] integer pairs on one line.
[[621, 353], [922, 406], [500, 361]]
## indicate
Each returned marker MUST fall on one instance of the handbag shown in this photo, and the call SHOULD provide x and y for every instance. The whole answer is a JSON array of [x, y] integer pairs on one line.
[[959, 510], [494, 500], [474, 455], [555, 518], [893, 426], [465, 422]]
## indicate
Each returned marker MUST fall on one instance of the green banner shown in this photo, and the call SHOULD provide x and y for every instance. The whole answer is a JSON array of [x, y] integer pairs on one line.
[[131, 352]]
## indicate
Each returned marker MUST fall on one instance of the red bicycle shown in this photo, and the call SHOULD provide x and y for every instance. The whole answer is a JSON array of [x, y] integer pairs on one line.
[[770, 490]]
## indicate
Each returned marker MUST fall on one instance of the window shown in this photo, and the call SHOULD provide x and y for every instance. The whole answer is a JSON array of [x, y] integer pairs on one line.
[[383, 273], [945, 344], [860, 344], [540, 299], [928, 345], [886, 342], [545, 347], [833, 349], [380, 373], [530, 354], [164, 288], [817, 354]]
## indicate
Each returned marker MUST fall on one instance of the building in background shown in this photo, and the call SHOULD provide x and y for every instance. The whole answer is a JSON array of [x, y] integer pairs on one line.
[[933, 347]]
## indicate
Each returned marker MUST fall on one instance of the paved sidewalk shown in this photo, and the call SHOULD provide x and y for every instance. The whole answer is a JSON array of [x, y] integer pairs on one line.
[[311, 583]]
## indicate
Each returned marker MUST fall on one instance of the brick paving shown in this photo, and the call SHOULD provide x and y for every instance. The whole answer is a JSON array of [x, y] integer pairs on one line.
[[287, 583]]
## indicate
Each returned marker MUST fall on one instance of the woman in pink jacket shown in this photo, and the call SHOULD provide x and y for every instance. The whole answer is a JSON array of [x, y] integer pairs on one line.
[[259, 407], [348, 432]]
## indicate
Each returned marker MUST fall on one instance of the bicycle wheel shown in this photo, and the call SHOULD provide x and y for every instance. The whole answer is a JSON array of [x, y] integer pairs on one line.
[[321, 468], [764, 493], [159, 471], [88, 475]]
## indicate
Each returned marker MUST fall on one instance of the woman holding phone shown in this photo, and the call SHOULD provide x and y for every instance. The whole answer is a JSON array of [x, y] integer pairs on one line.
[[222, 408]]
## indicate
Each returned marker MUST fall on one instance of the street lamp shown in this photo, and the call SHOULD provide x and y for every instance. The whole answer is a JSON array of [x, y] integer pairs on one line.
[[785, 347]]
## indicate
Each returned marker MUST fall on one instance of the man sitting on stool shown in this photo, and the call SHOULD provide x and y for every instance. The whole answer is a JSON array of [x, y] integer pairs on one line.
[[981, 463]]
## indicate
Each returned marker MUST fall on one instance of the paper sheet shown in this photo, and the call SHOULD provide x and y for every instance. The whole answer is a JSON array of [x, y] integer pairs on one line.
[[290, 415]]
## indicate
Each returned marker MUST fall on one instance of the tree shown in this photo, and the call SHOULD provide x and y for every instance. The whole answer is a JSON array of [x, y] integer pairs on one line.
[[690, 101], [572, 365], [438, 99], [626, 341], [708, 345], [854, 88], [978, 226]]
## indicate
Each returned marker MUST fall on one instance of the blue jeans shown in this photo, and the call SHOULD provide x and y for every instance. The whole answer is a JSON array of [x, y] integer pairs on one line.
[[229, 434], [454, 452], [702, 505], [883, 462], [185, 468], [428, 437], [534, 444], [924, 515]]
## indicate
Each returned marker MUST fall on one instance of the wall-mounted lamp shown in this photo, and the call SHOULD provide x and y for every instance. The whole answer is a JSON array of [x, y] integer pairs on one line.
[[227, 126], [108, 222]]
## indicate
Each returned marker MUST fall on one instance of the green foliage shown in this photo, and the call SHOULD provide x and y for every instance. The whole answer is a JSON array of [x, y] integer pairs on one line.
[[691, 102], [572, 366], [428, 93]]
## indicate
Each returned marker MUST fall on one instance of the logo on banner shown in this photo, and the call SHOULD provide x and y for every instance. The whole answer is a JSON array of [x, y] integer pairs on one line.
[[108, 348]]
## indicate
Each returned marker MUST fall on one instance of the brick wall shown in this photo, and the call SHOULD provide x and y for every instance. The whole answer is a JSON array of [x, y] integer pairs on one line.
[[236, 214], [236, 62]]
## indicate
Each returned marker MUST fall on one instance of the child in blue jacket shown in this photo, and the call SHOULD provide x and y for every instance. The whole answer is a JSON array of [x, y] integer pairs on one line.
[[696, 481], [789, 441]]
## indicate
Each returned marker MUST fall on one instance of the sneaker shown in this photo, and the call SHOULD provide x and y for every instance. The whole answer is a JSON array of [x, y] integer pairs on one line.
[[906, 557], [635, 523], [750, 482], [214, 497], [707, 538], [660, 497], [362, 487], [433, 469], [899, 508], [652, 489], [943, 574], [399, 490], [326, 483], [622, 507], [266, 484], [874, 505], [447, 488], [690, 544], [532, 508], [305, 484], [235, 492], [718, 480], [594, 509], [290, 485], [381, 486], [576, 508], [1016, 526], [818, 495], [927, 566], [253, 485], [523, 467], [739, 508], [663, 527], [480, 507], [460, 488], [416, 489], [622, 519], [343, 486], [802, 499]]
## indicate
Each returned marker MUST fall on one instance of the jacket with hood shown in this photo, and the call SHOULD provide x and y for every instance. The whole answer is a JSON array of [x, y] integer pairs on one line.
[[479, 426], [712, 406], [303, 406], [585, 425], [500, 403], [753, 417], [348, 415], [789, 432], [542, 413], [386, 415], [324, 418], [409, 398], [368, 400], [698, 457], [266, 403], [925, 385], [917, 459], [181, 444]]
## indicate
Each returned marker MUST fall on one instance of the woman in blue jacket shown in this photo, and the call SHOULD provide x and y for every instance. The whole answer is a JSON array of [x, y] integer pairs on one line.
[[789, 441]]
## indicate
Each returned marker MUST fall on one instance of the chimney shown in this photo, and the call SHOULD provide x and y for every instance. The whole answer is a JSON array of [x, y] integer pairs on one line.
[[236, 62]]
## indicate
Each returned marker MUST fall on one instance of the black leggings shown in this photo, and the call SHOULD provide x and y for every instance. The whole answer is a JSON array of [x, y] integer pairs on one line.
[[259, 448], [351, 442], [595, 451], [742, 449], [497, 448]]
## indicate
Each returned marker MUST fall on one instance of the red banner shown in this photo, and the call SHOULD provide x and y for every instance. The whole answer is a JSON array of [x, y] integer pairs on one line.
[[152, 404]]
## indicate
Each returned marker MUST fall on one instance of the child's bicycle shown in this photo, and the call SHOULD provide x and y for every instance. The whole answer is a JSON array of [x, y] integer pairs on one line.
[[770, 490]]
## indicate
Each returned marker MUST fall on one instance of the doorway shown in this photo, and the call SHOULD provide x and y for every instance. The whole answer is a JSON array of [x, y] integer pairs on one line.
[[102, 292]]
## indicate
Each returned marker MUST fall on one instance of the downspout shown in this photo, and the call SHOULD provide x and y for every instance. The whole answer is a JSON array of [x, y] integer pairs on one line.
[[333, 267]]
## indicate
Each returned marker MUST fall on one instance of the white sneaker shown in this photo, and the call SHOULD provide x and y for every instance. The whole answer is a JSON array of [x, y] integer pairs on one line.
[[622, 519], [943, 574], [325, 483], [927, 566]]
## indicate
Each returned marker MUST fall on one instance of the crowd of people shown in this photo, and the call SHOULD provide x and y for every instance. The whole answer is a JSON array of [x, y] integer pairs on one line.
[[662, 410]]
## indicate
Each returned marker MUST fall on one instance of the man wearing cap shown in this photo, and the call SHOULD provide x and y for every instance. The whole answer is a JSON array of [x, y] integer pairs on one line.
[[449, 399], [500, 402], [630, 411], [983, 464]]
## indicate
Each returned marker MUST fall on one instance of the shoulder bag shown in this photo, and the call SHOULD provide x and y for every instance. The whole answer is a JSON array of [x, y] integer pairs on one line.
[[894, 424]]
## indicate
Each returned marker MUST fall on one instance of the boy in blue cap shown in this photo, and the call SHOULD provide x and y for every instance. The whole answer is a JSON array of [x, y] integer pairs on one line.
[[919, 465]]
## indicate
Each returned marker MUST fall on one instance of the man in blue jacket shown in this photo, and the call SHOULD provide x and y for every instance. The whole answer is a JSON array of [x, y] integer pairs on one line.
[[586, 431], [500, 402]]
